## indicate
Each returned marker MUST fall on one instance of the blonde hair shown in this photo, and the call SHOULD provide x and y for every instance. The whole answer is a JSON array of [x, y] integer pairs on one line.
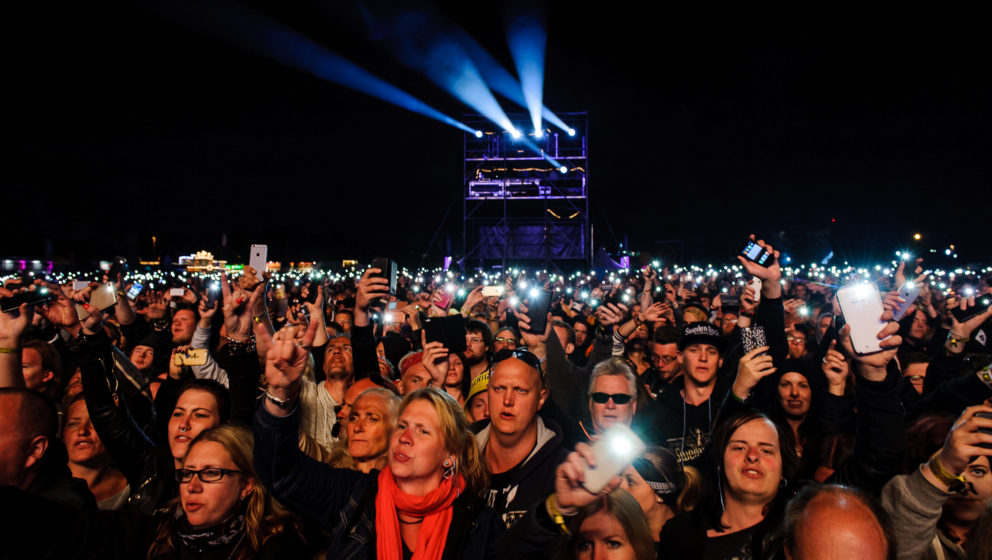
[[264, 516], [458, 439]]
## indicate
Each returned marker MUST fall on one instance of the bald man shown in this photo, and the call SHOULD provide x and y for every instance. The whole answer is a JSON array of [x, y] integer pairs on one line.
[[833, 522]]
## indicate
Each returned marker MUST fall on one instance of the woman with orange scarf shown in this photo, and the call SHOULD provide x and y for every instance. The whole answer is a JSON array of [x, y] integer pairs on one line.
[[424, 505]]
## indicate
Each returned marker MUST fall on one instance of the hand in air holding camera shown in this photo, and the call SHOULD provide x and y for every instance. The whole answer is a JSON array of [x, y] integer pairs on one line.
[[770, 275], [473, 298], [238, 305], [748, 304], [536, 342], [873, 366], [961, 331], [570, 495], [900, 275], [435, 360], [752, 368], [370, 289], [835, 369], [14, 323], [964, 441], [206, 313], [176, 370]]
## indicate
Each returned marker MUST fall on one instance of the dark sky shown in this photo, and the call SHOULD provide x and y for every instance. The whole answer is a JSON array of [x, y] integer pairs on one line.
[[705, 123]]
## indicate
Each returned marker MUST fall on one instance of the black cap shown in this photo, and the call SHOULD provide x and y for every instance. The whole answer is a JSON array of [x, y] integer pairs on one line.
[[701, 332]]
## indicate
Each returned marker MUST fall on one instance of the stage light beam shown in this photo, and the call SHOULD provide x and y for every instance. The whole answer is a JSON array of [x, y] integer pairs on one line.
[[527, 41]]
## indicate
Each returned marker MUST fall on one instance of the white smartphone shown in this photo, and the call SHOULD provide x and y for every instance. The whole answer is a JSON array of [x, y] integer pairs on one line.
[[756, 284], [177, 292], [259, 256], [909, 291], [78, 285], [861, 306], [615, 450], [492, 291]]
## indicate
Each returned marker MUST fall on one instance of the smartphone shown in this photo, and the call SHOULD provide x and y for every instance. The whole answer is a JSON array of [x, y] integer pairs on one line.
[[615, 450], [101, 298], [449, 330], [30, 297], [393, 317], [190, 357], [755, 284], [982, 302], [861, 306], [117, 268], [213, 294], [312, 293], [443, 301], [492, 291], [177, 292], [537, 309], [984, 430], [79, 285], [909, 291], [753, 337], [730, 300], [387, 270], [134, 291], [755, 253], [258, 257]]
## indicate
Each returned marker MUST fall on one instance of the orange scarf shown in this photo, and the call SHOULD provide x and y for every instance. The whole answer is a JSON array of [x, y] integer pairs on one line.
[[435, 508]]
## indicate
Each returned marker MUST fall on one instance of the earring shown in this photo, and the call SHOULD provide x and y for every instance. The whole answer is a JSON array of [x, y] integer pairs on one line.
[[783, 482], [449, 468]]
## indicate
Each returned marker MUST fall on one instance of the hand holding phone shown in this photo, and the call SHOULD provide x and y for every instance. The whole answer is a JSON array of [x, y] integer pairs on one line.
[[861, 306], [614, 451]]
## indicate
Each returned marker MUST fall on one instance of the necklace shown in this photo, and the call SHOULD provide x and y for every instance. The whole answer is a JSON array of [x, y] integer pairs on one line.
[[417, 522]]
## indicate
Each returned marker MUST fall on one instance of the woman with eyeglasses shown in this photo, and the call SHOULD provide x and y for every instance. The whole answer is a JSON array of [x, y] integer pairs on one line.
[[426, 503], [221, 512]]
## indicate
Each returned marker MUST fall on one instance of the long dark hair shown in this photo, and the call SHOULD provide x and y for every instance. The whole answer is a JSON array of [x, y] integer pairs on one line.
[[713, 497]]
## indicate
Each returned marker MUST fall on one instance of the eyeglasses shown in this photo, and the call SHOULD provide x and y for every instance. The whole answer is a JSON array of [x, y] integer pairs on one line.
[[796, 340], [603, 398], [522, 354], [502, 340], [205, 475], [654, 358]]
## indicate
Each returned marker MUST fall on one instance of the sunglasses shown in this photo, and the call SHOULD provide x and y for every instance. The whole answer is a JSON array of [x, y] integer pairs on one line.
[[603, 398], [522, 354]]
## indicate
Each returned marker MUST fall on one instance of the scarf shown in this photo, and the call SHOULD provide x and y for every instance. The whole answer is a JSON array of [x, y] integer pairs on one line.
[[224, 534], [435, 508]]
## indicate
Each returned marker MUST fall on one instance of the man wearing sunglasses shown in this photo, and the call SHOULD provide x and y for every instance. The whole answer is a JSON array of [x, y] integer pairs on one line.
[[612, 394]]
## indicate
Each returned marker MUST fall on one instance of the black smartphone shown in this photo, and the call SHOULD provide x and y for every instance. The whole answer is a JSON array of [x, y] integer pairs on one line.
[[117, 268], [387, 270], [449, 330], [982, 302], [213, 294], [312, 292], [755, 253], [537, 309], [30, 297], [984, 430]]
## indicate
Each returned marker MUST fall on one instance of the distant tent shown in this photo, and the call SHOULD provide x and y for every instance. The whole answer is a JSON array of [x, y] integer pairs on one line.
[[602, 260]]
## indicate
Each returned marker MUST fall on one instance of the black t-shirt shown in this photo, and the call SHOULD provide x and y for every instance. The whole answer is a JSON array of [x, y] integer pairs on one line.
[[730, 546], [500, 486], [690, 443]]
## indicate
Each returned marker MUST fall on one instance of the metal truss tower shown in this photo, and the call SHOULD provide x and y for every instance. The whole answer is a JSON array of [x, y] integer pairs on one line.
[[518, 207]]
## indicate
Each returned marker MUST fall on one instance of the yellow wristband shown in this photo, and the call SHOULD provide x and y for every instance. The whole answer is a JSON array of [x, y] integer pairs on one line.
[[556, 515], [8, 350]]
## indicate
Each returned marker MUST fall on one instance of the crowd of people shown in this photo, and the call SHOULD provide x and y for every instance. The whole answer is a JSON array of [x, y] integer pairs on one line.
[[337, 416]]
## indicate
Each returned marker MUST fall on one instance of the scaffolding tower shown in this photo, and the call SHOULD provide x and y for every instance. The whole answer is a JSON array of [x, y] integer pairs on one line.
[[518, 205]]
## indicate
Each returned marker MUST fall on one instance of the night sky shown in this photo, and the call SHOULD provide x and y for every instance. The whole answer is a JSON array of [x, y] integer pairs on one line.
[[705, 124]]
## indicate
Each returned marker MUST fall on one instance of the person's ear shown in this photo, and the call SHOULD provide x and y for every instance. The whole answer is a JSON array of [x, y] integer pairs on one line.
[[681, 358], [248, 489], [569, 348], [719, 363], [36, 450]]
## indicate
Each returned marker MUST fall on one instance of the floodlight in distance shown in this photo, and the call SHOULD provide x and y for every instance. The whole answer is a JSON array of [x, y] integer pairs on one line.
[[563, 169], [478, 134], [515, 133], [538, 133], [571, 132]]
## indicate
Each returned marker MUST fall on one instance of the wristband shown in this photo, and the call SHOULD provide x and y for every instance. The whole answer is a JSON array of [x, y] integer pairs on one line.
[[747, 314], [8, 350], [556, 514], [954, 483], [281, 403]]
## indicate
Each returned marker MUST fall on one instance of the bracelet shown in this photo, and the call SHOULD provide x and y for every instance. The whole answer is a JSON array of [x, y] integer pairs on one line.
[[556, 514], [747, 314], [247, 345], [954, 483], [8, 350], [281, 403]]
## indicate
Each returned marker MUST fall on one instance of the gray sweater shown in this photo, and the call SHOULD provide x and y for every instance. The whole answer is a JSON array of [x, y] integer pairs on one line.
[[915, 506]]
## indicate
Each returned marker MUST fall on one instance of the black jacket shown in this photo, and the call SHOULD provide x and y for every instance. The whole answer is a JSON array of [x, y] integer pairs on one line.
[[343, 501]]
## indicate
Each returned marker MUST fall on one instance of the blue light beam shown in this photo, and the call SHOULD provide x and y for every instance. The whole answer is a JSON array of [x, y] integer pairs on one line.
[[527, 40], [255, 32]]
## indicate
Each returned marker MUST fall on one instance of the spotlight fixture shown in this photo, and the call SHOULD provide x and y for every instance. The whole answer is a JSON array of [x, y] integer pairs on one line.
[[478, 134], [571, 132]]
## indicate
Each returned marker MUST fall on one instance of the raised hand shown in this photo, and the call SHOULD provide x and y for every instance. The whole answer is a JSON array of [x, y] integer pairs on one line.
[[752, 368], [570, 495], [284, 365], [611, 314], [770, 276], [873, 366], [435, 360], [835, 369]]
